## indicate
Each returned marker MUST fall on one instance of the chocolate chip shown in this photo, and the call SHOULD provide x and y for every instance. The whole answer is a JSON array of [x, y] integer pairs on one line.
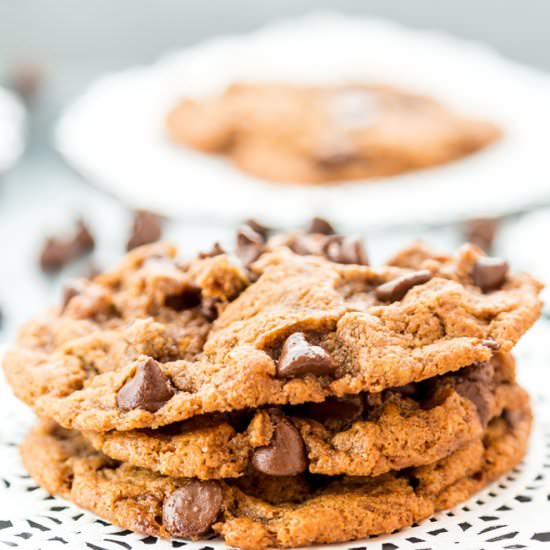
[[489, 273], [84, 240], [191, 510], [148, 389], [480, 395], [209, 308], [321, 226], [345, 409], [249, 244], [57, 252], [482, 232], [286, 454], [475, 383], [216, 250], [187, 299], [299, 357], [397, 288], [258, 227], [345, 250], [55, 255], [483, 372], [247, 236], [308, 244], [146, 229]]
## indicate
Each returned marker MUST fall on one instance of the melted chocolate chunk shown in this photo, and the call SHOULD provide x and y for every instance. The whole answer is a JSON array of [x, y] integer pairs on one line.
[[345, 250], [209, 308], [299, 357], [83, 239], [190, 511], [308, 244], [58, 252], [480, 395], [286, 454], [480, 372], [489, 273], [258, 227], [476, 384], [146, 229], [345, 409], [397, 288], [246, 236], [250, 245], [148, 389], [481, 232], [321, 226]]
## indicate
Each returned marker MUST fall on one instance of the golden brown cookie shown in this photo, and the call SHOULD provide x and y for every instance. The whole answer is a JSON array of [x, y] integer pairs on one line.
[[362, 435], [320, 134], [261, 511], [139, 347]]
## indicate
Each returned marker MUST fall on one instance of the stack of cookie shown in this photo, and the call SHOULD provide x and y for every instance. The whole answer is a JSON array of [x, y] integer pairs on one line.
[[287, 396]]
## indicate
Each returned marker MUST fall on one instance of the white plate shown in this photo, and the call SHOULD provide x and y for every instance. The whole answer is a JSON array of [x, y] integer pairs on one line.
[[12, 129], [510, 513], [114, 135]]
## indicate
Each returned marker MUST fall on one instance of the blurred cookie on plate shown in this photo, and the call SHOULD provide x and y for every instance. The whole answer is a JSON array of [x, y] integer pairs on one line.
[[321, 134]]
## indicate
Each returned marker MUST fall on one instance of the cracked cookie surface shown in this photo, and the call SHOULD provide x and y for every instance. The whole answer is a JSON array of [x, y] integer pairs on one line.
[[257, 512], [331, 133], [288, 329]]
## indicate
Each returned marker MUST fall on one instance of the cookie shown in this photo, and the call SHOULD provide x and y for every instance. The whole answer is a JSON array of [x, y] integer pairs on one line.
[[362, 435], [262, 511], [138, 347], [330, 133]]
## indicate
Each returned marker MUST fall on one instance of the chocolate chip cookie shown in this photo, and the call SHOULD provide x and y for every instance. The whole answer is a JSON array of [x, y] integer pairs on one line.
[[359, 435], [259, 511], [157, 341], [323, 134], [286, 395]]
